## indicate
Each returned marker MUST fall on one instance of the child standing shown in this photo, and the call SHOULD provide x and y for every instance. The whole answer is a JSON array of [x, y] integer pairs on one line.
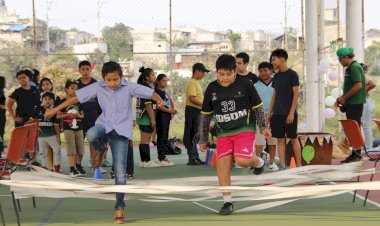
[[91, 108], [72, 128], [163, 117], [235, 103], [114, 125], [282, 113], [46, 85], [49, 132], [265, 90], [145, 119], [26, 98]]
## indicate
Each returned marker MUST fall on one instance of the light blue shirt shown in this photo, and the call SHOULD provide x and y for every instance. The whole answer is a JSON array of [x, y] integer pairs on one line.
[[265, 92], [116, 104]]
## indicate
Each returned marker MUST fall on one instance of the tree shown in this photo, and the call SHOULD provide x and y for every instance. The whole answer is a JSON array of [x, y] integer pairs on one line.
[[372, 58], [63, 57], [59, 72], [56, 34], [13, 58], [119, 41], [234, 39], [180, 43], [98, 57]]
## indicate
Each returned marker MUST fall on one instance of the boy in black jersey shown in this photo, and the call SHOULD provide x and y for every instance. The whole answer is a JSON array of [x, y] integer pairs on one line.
[[235, 104]]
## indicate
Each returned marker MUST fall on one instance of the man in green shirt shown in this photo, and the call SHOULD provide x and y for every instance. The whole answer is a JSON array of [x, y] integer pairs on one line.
[[354, 95]]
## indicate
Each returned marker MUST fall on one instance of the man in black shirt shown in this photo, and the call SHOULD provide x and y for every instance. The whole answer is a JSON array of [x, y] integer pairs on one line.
[[242, 60]]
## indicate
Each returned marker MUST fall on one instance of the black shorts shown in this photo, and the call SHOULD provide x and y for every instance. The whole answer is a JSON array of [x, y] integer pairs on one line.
[[146, 129], [280, 129]]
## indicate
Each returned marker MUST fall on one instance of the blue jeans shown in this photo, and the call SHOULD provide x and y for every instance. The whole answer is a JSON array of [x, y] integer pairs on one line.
[[368, 109], [119, 148]]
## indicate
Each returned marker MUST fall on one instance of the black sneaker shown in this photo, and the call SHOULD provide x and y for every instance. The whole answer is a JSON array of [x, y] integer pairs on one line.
[[81, 171], [258, 171], [130, 177], [74, 172], [226, 209], [193, 162], [112, 174], [200, 161], [351, 158]]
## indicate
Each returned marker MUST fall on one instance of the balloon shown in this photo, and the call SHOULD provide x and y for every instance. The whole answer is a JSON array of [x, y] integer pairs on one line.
[[333, 76], [325, 63], [330, 101], [322, 70], [308, 153], [329, 113], [303, 126], [336, 92]]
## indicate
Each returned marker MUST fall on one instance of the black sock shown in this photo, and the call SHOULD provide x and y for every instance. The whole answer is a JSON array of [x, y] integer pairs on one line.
[[78, 166], [144, 152], [72, 168]]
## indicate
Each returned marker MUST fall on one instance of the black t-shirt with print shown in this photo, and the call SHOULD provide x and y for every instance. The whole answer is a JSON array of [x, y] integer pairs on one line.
[[27, 101], [232, 106], [72, 123], [142, 117], [46, 125], [283, 83], [251, 76]]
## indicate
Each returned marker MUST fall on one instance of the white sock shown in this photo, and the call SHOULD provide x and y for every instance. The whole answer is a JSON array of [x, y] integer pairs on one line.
[[261, 164], [227, 198]]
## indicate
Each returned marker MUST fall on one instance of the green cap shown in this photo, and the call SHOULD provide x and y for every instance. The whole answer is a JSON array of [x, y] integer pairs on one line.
[[343, 52]]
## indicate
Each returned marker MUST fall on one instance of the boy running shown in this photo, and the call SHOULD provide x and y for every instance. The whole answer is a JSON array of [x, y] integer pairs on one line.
[[235, 103], [114, 125]]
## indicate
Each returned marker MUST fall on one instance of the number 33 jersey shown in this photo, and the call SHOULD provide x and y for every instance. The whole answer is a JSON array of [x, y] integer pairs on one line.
[[232, 106]]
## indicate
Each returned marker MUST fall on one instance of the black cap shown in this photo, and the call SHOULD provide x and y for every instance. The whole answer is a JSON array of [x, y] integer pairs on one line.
[[200, 67]]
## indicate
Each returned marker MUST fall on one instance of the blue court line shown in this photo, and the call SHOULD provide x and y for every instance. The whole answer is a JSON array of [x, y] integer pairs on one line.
[[50, 213]]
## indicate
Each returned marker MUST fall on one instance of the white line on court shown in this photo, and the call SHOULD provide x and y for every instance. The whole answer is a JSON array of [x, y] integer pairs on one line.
[[215, 211]]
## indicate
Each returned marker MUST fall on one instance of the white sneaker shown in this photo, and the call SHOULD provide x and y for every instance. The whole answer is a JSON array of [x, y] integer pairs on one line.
[[166, 162], [273, 167], [151, 164], [141, 164]]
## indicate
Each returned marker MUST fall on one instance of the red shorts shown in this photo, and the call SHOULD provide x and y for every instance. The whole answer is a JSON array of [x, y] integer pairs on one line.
[[239, 145]]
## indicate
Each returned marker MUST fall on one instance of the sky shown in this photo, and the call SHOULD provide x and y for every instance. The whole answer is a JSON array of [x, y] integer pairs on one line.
[[213, 15]]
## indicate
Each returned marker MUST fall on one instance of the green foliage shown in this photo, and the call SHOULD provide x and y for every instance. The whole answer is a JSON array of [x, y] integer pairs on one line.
[[59, 73], [56, 34], [62, 57], [372, 58], [234, 39], [14, 57], [180, 42], [119, 41]]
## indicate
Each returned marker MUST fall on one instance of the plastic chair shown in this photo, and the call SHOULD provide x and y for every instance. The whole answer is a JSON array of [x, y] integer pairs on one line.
[[15, 150], [354, 135], [31, 141]]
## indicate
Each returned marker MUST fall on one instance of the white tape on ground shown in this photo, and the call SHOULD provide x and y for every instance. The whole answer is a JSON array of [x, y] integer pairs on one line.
[[42, 183]]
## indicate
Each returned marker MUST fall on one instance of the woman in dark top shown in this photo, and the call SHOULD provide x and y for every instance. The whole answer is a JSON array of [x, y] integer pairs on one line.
[[163, 117]]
